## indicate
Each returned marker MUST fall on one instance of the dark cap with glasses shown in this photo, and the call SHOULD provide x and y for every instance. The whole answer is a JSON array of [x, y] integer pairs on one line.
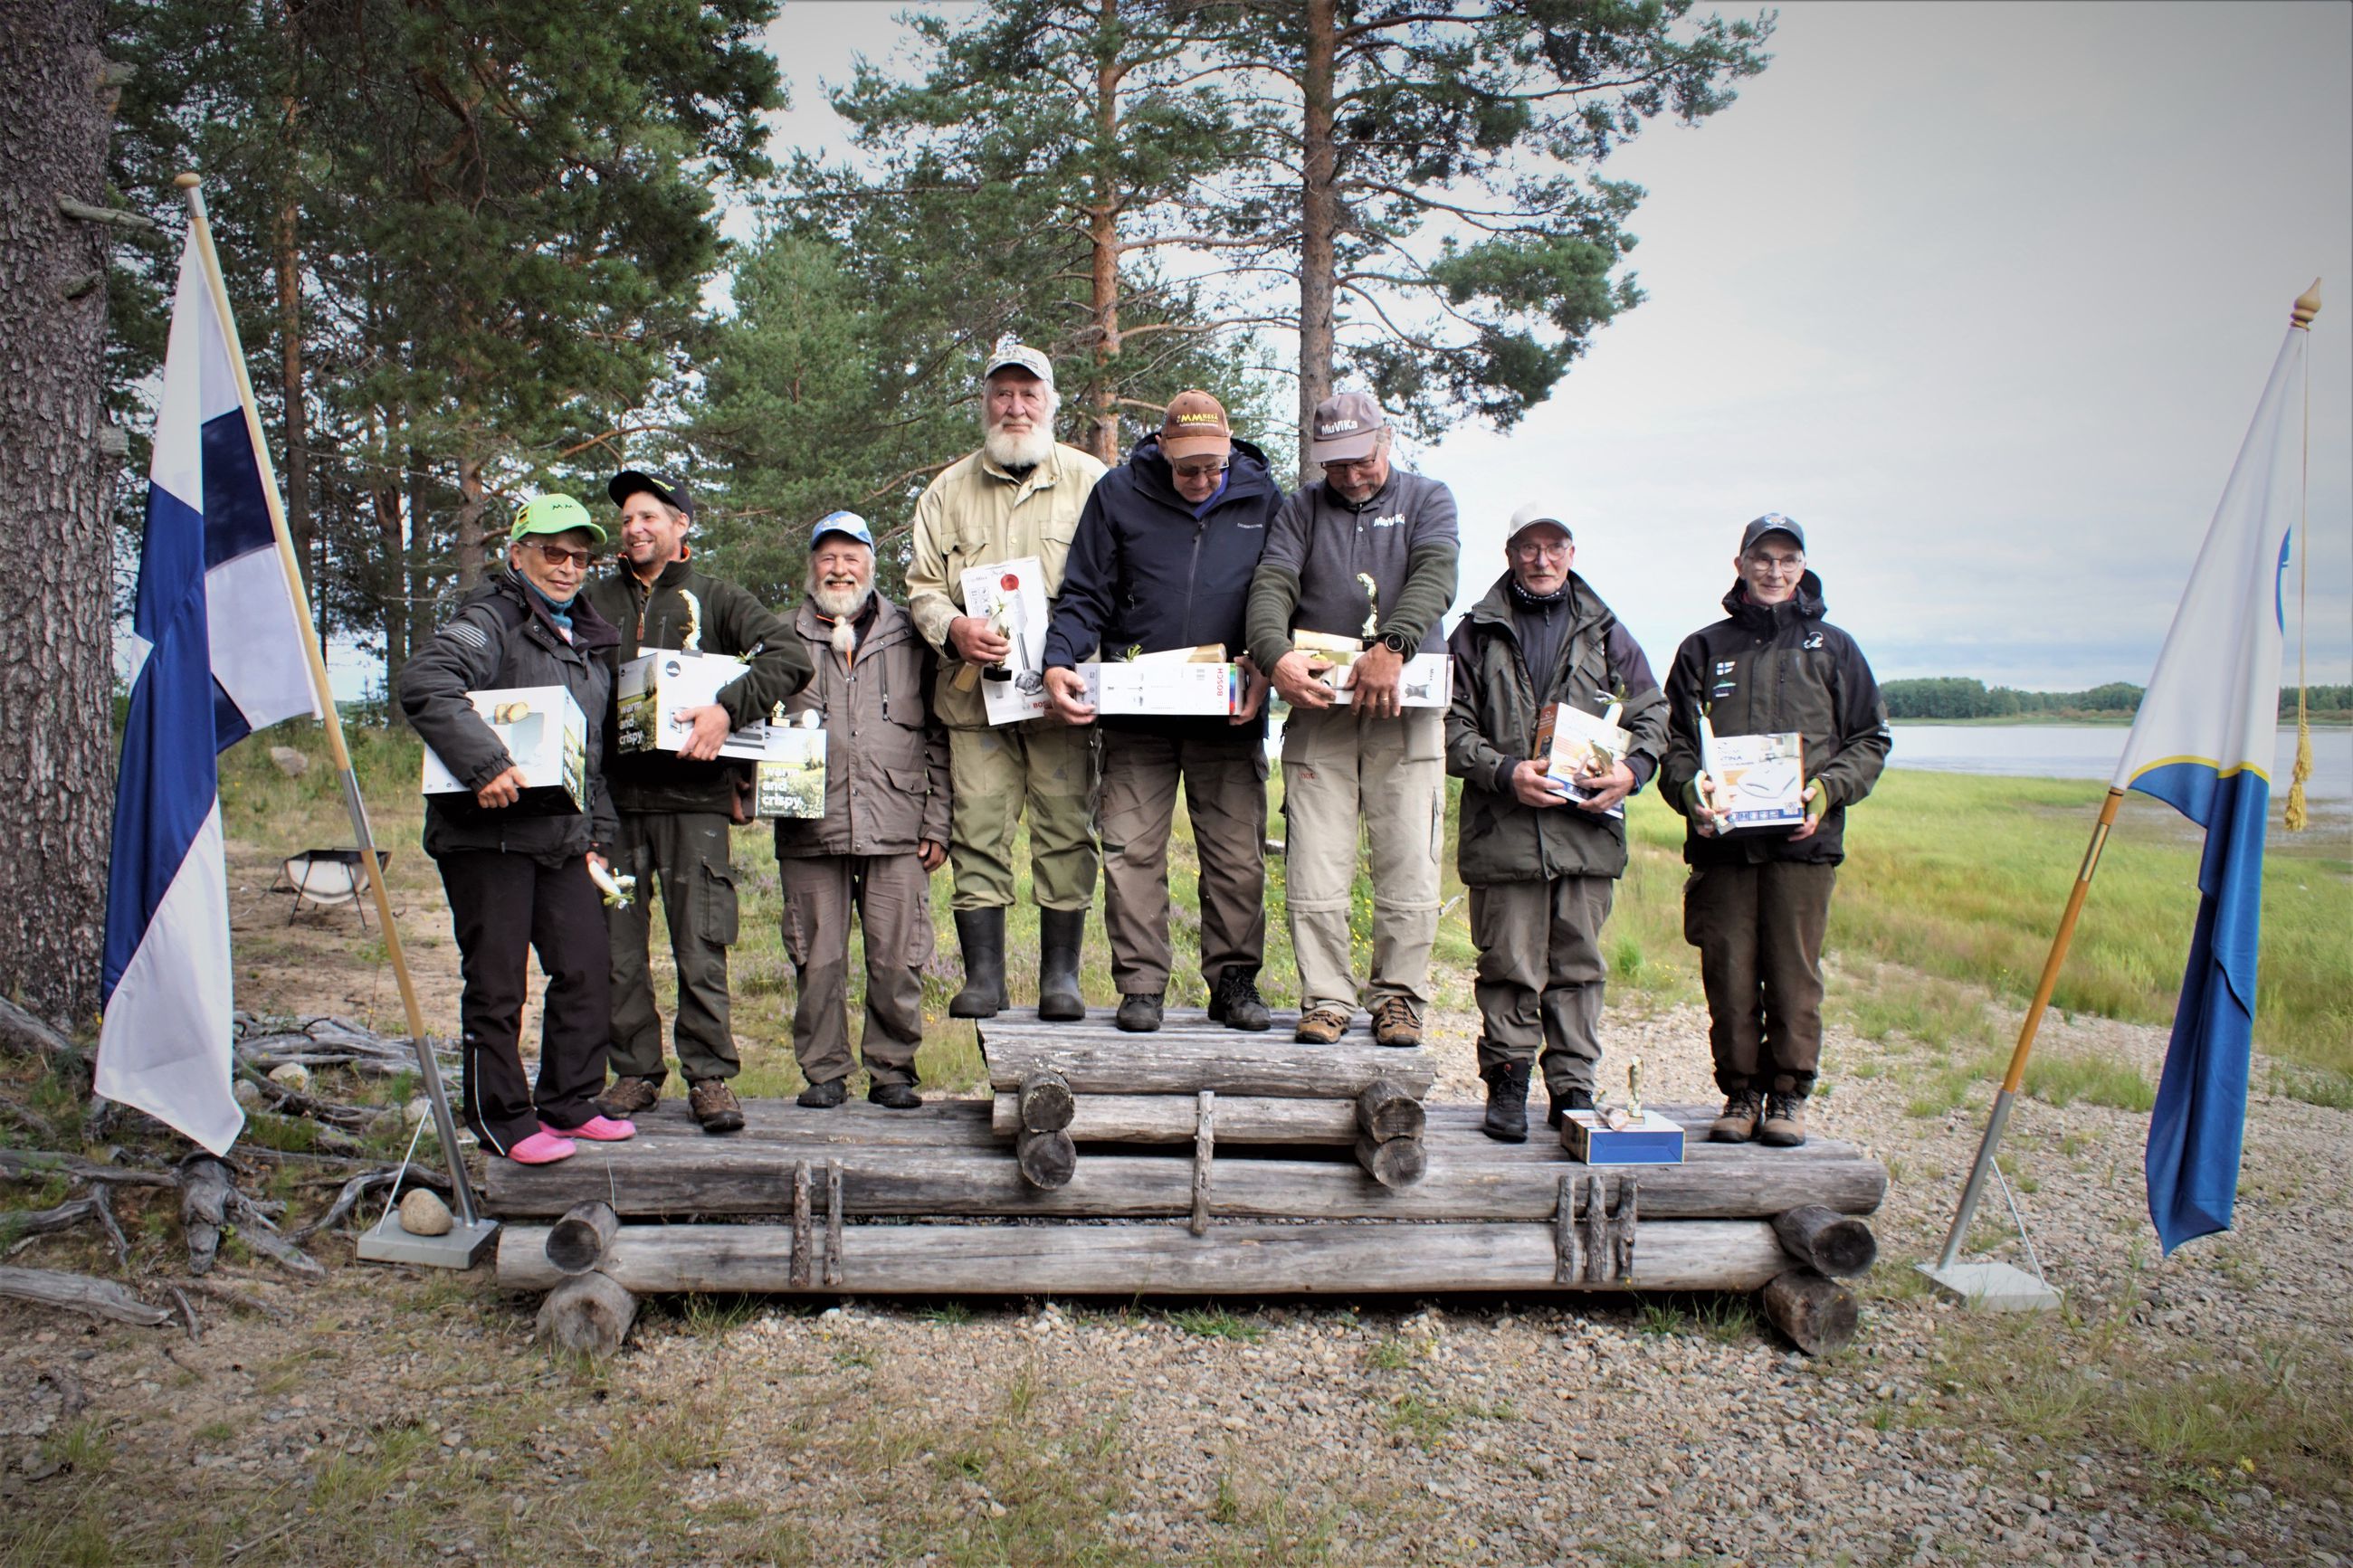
[[1772, 523]]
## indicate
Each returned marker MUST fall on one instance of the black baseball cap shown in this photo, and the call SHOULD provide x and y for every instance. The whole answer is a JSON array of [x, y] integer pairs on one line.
[[669, 493], [1771, 522]]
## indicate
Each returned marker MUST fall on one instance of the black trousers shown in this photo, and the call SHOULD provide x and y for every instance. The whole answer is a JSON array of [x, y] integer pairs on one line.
[[1760, 929], [504, 906]]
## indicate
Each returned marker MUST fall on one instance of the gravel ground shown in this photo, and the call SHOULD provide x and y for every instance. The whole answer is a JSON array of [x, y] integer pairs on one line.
[[399, 1416]]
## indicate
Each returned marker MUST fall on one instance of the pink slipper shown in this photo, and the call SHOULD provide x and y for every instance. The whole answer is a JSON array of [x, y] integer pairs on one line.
[[543, 1148], [596, 1128]]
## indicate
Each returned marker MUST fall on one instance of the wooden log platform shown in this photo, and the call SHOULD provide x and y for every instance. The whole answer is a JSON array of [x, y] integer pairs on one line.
[[1189, 1054]]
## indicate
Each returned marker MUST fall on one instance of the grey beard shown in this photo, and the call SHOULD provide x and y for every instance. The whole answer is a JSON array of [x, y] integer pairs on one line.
[[841, 606], [1011, 451]]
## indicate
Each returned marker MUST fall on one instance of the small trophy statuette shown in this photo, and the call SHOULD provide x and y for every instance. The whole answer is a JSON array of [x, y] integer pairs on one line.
[[1634, 1089]]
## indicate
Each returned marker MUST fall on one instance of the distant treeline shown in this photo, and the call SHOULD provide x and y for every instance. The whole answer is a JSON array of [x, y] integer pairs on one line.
[[1953, 697]]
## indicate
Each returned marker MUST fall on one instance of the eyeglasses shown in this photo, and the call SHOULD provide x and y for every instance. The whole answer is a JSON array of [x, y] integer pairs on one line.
[[1777, 563], [556, 555], [1200, 470], [1536, 548]]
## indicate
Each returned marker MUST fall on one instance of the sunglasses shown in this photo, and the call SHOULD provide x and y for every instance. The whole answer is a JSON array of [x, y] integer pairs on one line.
[[557, 555]]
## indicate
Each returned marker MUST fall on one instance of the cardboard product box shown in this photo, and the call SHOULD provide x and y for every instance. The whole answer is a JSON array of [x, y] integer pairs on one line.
[[1571, 738], [790, 779], [1764, 779], [655, 687], [1656, 1140], [1425, 681], [1160, 686], [1011, 596], [545, 731]]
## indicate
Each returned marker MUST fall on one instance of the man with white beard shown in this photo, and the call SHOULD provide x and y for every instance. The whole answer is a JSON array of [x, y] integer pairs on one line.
[[884, 830], [1019, 495]]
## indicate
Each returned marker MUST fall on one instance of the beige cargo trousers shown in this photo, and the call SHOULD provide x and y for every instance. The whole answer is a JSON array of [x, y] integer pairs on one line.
[[1344, 776]]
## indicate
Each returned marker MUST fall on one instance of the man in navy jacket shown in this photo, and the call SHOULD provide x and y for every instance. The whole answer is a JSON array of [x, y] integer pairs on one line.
[[1162, 561]]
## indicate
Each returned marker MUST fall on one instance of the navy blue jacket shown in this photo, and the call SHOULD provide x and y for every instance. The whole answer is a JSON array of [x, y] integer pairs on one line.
[[1143, 573]]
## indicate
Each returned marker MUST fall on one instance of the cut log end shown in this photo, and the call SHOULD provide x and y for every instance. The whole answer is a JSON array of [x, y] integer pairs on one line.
[[588, 1315], [1399, 1162], [1047, 1158], [576, 1243], [1819, 1315], [1046, 1104], [1834, 1245], [1387, 1110]]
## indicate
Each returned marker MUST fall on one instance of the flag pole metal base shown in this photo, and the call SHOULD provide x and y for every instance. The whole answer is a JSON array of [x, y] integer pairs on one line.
[[1991, 1286], [461, 1248]]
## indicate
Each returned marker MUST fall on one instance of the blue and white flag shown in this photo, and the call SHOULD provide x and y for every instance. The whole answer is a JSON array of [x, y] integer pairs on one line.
[[217, 653], [2203, 742]]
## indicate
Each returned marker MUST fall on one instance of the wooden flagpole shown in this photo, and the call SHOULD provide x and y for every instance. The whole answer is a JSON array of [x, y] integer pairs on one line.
[[444, 1123]]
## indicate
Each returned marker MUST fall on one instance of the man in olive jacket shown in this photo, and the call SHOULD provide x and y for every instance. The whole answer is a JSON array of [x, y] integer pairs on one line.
[[1540, 864], [676, 807], [884, 831], [1757, 901]]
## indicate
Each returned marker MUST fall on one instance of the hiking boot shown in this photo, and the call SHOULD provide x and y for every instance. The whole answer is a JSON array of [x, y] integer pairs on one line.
[[1574, 1100], [629, 1097], [894, 1096], [1060, 932], [1738, 1122], [1323, 1026], [1236, 1003], [1507, 1102], [1394, 1023], [1139, 1014], [714, 1104], [1785, 1122], [823, 1096], [981, 934]]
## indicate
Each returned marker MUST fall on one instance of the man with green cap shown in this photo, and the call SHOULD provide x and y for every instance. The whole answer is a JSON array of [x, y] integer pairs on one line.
[[676, 807]]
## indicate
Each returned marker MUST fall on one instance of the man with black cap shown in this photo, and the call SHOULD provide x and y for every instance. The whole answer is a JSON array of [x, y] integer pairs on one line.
[[676, 807], [884, 830], [1019, 495], [1540, 855], [1757, 899], [1366, 553], [1163, 562]]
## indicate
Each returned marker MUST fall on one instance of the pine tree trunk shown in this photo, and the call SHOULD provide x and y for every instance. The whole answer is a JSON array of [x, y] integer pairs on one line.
[[1102, 227], [392, 554], [473, 548], [56, 677], [1319, 216]]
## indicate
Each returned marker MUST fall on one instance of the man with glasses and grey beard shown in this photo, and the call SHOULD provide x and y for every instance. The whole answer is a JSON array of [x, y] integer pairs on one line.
[[884, 830], [1019, 495], [1757, 899]]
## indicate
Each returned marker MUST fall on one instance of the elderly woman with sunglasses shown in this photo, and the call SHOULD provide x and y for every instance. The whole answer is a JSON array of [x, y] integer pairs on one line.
[[517, 880]]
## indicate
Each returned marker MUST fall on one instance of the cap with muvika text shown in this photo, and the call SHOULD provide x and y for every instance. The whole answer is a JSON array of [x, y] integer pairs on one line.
[[1344, 429]]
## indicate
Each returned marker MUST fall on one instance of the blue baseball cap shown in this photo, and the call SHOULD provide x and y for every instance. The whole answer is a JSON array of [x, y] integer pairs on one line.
[[846, 523]]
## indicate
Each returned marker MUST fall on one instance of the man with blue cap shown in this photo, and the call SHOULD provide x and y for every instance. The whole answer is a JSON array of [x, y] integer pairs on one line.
[[884, 831]]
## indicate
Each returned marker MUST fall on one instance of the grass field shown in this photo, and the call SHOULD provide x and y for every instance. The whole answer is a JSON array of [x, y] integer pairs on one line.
[[1951, 888]]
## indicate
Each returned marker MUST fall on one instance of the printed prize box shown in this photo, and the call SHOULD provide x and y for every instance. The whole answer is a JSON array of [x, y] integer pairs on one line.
[[1761, 781], [1425, 681], [1158, 685], [791, 777], [1572, 739], [1010, 595], [545, 734], [1655, 1140], [656, 687]]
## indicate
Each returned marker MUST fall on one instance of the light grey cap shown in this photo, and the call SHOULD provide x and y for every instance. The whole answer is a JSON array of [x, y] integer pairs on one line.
[[1007, 354], [1533, 513]]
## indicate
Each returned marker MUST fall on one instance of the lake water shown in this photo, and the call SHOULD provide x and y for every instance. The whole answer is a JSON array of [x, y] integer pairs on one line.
[[2090, 752]]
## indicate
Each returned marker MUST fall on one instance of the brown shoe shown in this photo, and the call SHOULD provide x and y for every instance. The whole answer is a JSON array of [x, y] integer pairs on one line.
[[1738, 1122], [631, 1097], [1394, 1023], [1324, 1026], [1785, 1122], [714, 1104]]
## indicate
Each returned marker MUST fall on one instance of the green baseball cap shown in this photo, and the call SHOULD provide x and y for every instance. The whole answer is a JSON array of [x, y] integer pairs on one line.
[[553, 514]]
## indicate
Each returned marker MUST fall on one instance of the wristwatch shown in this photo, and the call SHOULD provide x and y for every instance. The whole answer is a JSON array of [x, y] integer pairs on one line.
[[1393, 641]]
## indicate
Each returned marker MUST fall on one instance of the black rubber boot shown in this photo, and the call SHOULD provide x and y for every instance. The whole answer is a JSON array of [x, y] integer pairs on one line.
[[1507, 1102], [1140, 1012], [981, 934], [1060, 932]]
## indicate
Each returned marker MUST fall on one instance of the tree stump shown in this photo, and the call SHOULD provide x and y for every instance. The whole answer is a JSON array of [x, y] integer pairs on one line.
[[1819, 1315], [1834, 1245], [588, 1315]]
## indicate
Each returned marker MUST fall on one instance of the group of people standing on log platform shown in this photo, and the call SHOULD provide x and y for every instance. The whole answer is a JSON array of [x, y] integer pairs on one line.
[[1191, 543]]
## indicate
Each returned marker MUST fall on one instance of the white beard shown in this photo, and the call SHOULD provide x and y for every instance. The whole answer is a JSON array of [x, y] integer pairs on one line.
[[1008, 450], [841, 606]]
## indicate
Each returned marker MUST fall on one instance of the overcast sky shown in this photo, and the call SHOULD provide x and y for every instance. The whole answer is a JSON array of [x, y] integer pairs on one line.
[[1983, 295]]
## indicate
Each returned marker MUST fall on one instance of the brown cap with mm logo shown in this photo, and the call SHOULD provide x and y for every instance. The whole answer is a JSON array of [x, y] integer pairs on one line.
[[1194, 426]]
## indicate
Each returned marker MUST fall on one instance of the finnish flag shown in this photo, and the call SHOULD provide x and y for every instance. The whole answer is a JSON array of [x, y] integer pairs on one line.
[[218, 652]]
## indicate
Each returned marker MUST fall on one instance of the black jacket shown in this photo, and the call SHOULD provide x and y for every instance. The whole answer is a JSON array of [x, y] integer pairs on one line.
[[721, 618], [1492, 729], [1144, 574], [502, 636], [1762, 670]]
